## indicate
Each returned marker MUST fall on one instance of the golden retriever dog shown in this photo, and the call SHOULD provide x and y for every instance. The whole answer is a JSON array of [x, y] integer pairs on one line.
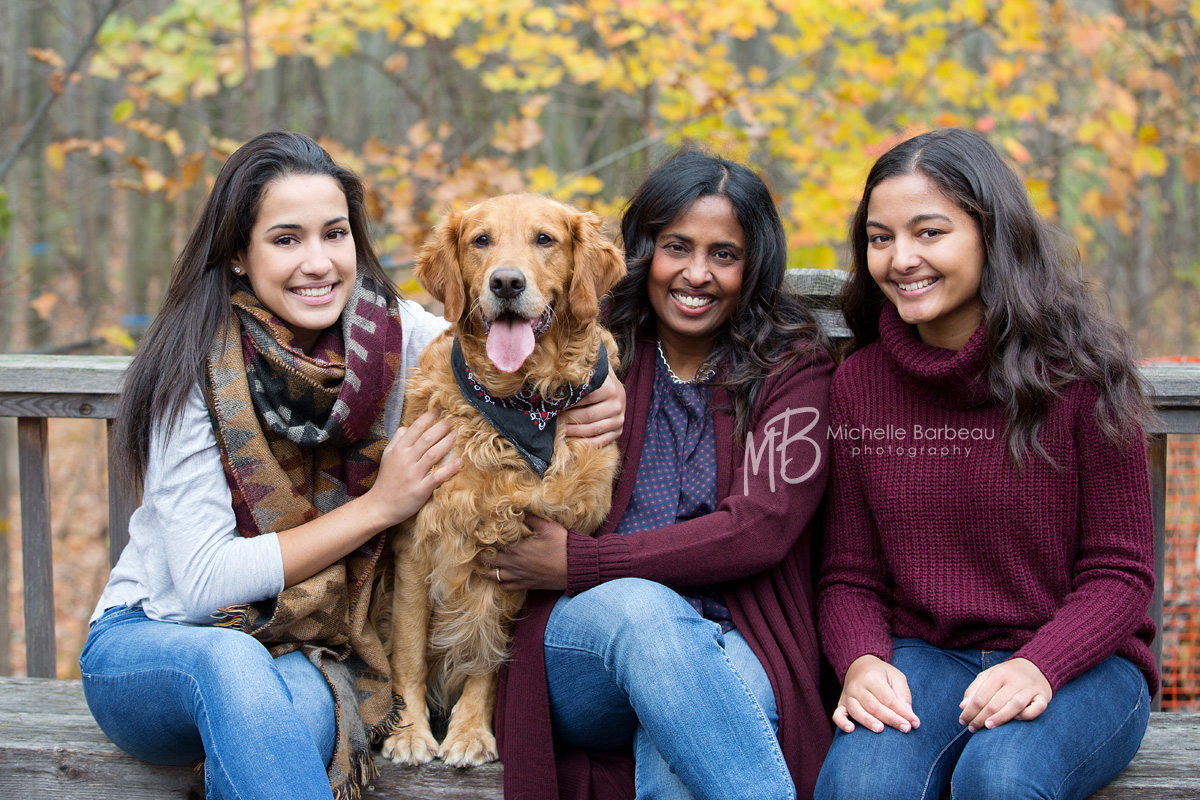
[[521, 277]]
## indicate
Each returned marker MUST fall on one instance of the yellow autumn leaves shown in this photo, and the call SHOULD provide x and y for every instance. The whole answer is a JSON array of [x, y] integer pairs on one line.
[[1091, 102]]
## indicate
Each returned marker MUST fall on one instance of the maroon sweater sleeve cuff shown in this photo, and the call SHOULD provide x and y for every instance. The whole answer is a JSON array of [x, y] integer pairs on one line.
[[591, 561], [846, 634]]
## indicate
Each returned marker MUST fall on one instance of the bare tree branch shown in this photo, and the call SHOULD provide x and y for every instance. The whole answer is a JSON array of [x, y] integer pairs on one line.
[[44, 106], [250, 82]]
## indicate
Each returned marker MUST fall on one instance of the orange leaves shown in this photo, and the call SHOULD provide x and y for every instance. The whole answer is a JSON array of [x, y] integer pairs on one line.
[[44, 304], [152, 178], [56, 156], [191, 168], [396, 63], [1191, 165], [47, 56], [1018, 151], [58, 79], [517, 134], [56, 152]]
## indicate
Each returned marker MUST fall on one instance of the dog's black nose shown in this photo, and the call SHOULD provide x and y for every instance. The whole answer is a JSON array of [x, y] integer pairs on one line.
[[507, 283]]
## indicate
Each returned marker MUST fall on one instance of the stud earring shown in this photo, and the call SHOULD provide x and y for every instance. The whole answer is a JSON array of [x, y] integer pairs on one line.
[[237, 270]]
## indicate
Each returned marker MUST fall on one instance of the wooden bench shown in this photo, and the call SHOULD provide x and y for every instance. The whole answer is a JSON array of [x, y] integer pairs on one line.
[[51, 747]]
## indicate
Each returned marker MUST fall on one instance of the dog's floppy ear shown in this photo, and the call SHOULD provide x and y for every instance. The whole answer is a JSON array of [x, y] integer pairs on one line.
[[598, 265], [438, 269]]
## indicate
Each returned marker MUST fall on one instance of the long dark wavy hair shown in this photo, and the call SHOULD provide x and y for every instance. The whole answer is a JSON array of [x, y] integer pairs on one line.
[[171, 357], [770, 327], [1043, 327]]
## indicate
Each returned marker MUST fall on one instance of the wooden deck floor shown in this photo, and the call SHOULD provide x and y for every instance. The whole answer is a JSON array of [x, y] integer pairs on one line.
[[51, 747]]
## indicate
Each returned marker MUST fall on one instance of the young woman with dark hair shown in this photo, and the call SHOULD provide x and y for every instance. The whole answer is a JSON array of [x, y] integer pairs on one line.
[[989, 550], [256, 420], [674, 654]]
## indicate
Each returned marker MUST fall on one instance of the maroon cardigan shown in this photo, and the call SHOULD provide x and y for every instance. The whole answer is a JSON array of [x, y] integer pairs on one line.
[[758, 543]]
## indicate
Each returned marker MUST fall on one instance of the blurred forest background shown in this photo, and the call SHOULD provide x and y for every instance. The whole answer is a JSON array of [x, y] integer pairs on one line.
[[116, 114], [443, 102]]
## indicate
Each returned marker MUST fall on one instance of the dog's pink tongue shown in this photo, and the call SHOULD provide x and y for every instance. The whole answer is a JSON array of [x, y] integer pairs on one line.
[[510, 342]]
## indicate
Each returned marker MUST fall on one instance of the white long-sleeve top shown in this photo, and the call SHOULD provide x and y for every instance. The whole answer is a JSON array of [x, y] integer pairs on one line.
[[185, 559]]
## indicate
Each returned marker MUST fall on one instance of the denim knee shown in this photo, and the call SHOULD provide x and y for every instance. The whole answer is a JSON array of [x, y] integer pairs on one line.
[[1005, 772], [630, 601], [1003, 779], [1089, 733], [852, 773], [619, 614], [223, 651]]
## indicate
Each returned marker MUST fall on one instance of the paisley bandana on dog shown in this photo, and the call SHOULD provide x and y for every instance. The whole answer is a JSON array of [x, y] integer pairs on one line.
[[526, 419]]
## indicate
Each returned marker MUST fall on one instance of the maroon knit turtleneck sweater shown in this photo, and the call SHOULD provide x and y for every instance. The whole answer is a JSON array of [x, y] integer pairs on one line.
[[932, 533]]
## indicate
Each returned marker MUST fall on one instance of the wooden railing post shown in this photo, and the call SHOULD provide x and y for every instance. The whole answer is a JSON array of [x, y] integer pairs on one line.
[[1157, 454], [120, 506], [34, 459], [7, 439]]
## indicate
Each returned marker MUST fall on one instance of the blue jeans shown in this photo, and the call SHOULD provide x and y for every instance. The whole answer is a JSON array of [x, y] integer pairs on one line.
[[174, 694], [630, 661], [1085, 737]]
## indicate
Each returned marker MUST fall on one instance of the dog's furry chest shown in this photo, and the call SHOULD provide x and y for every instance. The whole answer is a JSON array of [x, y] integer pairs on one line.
[[496, 485]]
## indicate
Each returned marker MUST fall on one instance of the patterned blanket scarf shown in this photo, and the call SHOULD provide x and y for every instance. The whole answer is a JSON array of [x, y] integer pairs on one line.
[[299, 436]]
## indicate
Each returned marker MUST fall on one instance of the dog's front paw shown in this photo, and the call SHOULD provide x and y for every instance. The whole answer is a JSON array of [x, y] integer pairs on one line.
[[468, 748], [410, 747]]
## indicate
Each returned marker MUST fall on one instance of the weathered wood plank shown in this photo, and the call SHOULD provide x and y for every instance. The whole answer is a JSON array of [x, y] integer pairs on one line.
[[1175, 385], [82, 406], [50, 747], [1175, 420], [51, 697], [436, 781], [820, 287], [62, 374], [38, 566], [1167, 765]]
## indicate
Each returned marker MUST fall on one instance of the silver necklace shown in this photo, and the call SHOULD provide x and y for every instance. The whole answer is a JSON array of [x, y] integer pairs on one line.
[[702, 375]]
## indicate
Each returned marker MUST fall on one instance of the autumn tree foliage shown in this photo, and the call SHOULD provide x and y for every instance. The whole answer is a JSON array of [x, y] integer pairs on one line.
[[441, 103]]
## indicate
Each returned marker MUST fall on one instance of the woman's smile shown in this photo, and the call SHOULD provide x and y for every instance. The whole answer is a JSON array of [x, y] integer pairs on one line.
[[926, 254], [695, 279], [301, 261]]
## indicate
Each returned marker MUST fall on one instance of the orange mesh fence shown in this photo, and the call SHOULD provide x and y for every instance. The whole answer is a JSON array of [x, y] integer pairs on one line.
[[1181, 580], [1181, 585]]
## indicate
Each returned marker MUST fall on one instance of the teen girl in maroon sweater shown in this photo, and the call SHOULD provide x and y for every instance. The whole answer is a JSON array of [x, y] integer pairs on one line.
[[988, 560]]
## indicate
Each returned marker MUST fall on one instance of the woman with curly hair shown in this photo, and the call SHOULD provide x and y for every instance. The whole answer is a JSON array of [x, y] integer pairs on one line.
[[989, 551], [674, 654]]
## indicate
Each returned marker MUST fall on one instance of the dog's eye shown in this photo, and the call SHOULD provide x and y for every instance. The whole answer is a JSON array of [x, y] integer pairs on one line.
[[544, 240], [482, 240]]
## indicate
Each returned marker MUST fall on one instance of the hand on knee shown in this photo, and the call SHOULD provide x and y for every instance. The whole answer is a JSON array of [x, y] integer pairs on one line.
[[875, 694], [1015, 689]]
